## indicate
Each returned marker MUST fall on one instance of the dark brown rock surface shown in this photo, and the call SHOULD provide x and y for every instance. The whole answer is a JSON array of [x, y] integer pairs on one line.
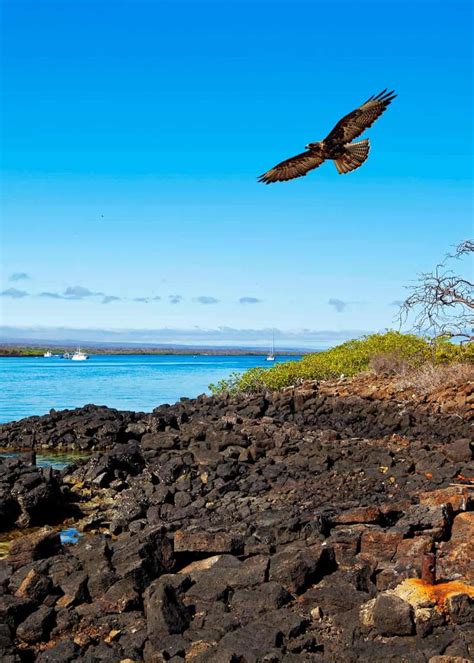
[[275, 527]]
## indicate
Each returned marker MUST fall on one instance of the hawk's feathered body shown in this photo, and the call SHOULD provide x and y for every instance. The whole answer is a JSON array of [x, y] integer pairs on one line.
[[337, 145]]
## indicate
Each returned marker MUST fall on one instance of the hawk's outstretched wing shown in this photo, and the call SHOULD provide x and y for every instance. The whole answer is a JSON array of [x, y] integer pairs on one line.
[[355, 123], [297, 166]]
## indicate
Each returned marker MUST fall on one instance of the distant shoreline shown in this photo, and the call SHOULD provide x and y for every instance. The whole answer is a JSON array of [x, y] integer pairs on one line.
[[12, 350]]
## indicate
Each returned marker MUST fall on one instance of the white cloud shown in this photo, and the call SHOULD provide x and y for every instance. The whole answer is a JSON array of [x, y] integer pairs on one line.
[[19, 276], [14, 293], [79, 292], [249, 300], [338, 304], [204, 299], [221, 336]]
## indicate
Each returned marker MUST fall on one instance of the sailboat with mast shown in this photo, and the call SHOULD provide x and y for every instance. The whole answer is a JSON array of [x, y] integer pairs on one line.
[[271, 355]]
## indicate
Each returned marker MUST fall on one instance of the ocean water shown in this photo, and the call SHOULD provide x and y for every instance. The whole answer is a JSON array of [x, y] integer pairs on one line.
[[34, 385]]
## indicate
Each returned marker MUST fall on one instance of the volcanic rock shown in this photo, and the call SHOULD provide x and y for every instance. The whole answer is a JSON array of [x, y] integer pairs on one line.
[[392, 615], [272, 527]]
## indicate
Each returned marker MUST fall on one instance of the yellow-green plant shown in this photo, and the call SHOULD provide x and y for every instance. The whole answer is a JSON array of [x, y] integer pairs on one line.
[[347, 359]]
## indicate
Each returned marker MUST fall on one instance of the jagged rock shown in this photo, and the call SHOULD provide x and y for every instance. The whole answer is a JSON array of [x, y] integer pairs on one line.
[[6, 637], [213, 584], [423, 519], [263, 527], [36, 626], [460, 451], [40, 545], [123, 459], [95, 554], [295, 569], [460, 608], [141, 558], [409, 556], [250, 643], [382, 545], [65, 651], [165, 612], [89, 427], [335, 594], [74, 588], [28, 494], [455, 557], [392, 615], [251, 572], [366, 514], [14, 610], [34, 587], [346, 542], [208, 542], [122, 596], [269, 596], [460, 497]]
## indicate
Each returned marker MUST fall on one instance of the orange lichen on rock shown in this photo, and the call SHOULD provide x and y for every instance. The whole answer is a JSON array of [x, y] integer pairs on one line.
[[420, 593], [460, 477]]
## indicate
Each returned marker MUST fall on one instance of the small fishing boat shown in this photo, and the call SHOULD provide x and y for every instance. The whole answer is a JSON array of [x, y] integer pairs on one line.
[[48, 354], [79, 355]]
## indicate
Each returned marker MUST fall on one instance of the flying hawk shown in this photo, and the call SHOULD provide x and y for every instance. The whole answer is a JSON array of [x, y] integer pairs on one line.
[[337, 145]]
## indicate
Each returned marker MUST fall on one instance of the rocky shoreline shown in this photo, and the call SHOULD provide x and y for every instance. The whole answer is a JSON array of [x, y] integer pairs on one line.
[[300, 525]]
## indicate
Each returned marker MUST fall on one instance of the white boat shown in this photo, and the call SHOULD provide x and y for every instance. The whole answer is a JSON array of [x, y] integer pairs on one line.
[[271, 355], [48, 354], [79, 355]]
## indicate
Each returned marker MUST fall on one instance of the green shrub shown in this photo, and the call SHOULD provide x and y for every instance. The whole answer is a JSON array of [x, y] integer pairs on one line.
[[347, 359]]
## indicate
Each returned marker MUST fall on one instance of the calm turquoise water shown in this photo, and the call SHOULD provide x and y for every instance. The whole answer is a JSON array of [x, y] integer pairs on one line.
[[34, 385]]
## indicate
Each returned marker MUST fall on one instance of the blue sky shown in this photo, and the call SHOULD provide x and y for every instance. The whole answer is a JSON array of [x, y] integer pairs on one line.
[[133, 133]]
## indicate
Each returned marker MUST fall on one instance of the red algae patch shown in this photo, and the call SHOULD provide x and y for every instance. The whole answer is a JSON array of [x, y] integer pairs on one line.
[[421, 594]]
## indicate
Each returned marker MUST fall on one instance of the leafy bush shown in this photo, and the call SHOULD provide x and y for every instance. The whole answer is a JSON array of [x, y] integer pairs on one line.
[[348, 359]]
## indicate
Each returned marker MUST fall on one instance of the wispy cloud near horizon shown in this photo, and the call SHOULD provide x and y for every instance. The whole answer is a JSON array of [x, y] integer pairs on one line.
[[249, 300], [50, 295], [19, 276], [220, 336], [204, 299], [79, 292], [14, 293]]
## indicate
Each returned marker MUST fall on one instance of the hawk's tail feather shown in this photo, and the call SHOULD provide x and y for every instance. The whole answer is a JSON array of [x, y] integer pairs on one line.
[[353, 157]]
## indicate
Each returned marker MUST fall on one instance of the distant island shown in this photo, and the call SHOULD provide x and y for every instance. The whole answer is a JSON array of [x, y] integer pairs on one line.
[[34, 349]]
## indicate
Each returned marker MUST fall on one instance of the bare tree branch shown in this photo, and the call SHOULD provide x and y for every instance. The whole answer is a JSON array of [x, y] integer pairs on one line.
[[465, 247], [441, 302]]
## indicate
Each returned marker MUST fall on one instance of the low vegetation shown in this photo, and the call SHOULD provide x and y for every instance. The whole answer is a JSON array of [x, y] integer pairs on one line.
[[388, 353], [430, 377]]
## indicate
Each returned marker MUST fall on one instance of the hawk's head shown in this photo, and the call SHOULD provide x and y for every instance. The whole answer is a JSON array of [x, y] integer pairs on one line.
[[316, 147]]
